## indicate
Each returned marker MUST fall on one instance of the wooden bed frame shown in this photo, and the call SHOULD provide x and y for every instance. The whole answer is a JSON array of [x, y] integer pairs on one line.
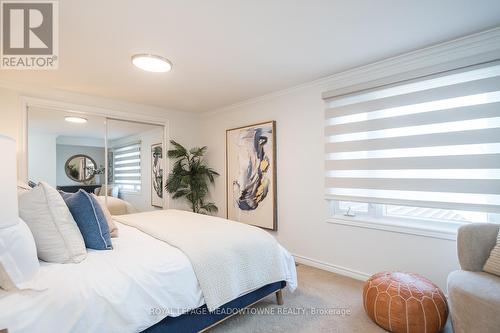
[[196, 322]]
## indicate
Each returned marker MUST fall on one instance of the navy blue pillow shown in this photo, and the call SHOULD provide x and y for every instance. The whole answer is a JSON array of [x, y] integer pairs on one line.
[[89, 218]]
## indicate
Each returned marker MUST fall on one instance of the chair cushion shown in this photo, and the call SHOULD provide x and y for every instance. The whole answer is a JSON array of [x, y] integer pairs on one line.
[[480, 285], [474, 301], [56, 234], [90, 219]]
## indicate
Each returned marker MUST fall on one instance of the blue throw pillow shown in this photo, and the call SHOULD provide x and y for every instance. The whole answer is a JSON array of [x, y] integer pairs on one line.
[[90, 219]]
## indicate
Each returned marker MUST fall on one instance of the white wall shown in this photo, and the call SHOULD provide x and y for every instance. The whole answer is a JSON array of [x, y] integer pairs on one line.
[[66, 151], [302, 226], [10, 116], [43, 160], [302, 211], [79, 141]]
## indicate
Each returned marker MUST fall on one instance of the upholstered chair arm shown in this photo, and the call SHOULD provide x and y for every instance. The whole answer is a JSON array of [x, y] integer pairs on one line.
[[474, 244]]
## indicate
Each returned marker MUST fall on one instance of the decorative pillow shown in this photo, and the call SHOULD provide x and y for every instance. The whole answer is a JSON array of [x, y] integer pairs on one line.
[[113, 191], [492, 265], [90, 219], [118, 206], [56, 234], [113, 229], [18, 258]]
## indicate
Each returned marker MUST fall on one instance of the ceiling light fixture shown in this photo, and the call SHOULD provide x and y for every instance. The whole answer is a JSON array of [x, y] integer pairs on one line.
[[151, 63], [77, 120]]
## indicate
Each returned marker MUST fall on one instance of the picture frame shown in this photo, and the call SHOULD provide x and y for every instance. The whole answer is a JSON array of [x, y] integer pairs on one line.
[[251, 191], [157, 165]]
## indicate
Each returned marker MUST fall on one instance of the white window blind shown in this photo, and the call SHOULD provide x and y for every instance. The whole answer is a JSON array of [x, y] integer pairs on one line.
[[127, 167], [430, 142]]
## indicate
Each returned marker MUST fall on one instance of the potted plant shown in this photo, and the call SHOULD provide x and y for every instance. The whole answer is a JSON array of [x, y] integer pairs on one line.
[[190, 177]]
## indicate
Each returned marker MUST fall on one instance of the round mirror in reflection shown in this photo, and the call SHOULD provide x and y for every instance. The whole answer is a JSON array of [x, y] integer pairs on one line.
[[80, 168]]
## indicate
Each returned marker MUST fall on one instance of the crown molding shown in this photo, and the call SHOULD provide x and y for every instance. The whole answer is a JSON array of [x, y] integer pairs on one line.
[[36, 94], [479, 47]]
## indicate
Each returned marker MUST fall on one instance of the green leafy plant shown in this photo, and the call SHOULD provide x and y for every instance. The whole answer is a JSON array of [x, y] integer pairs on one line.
[[73, 171], [190, 177]]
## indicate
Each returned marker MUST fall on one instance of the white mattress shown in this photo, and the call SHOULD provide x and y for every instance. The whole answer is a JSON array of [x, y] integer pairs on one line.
[[127, 289]]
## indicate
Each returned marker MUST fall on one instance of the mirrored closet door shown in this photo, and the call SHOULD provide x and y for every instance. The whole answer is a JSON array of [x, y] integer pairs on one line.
[[120, 161], [135, 164], [65, 149]]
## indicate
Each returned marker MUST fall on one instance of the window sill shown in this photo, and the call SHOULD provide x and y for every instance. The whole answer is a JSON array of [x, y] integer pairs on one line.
[[130, 192], [409, 228]]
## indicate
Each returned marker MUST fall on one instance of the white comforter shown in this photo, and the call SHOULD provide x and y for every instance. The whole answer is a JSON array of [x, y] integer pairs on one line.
[[127, 289], [228, 258]]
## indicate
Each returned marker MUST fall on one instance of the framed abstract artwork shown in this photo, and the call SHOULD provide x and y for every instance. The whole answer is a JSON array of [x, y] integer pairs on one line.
[[251, 175], [157, 175]]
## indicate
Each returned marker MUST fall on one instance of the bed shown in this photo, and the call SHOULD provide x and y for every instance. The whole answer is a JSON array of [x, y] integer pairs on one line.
[[144, 284]]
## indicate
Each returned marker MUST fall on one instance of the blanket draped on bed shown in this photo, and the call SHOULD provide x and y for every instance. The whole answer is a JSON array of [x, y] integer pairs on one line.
[[228, 258]]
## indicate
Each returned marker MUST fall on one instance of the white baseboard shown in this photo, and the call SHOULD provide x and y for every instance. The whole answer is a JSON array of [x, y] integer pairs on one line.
[[332, 268], [337, 269]]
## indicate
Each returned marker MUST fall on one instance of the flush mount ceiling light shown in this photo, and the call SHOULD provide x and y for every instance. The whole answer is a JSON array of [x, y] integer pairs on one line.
[[151, 63], [77, 120]]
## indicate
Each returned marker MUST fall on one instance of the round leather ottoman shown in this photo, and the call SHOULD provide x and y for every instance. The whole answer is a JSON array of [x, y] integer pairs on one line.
[[405, 302]]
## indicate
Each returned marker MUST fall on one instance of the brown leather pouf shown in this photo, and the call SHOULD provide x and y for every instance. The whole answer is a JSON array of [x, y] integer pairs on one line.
[[405, 302]]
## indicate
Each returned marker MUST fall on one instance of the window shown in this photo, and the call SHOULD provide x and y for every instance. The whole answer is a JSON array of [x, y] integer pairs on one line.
[[127, 167], [424, 152], [354, 209]]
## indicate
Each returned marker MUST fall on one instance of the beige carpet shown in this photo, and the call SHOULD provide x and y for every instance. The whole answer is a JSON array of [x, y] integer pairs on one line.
[[317, 289]]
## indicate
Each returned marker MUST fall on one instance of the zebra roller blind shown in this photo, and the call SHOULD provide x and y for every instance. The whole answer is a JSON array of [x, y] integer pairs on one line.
[[430, 142], [127, 167]]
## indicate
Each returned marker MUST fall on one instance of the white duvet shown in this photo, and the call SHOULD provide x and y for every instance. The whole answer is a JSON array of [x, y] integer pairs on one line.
[[127, 289], [229, 258]]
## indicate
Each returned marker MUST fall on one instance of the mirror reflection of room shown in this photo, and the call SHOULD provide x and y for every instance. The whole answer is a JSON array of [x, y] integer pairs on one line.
[[135, 164], [68, 151]]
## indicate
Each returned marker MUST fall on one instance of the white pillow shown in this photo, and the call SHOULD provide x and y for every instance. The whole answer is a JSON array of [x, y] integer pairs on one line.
[[113, 229], [18, 259], [56, 234]]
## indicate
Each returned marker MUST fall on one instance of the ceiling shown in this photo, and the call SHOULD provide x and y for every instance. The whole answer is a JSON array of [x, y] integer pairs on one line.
[[52, 122], [226, 51]]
